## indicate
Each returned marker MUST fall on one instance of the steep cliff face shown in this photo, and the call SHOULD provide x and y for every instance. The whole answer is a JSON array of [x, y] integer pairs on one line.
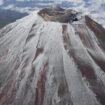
[[50, 62]]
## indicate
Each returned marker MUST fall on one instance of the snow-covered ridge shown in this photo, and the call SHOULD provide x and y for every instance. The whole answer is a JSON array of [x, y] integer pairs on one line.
[[52, 63]]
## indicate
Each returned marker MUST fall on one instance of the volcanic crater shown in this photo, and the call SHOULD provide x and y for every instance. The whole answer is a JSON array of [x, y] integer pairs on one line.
[[58, 14]]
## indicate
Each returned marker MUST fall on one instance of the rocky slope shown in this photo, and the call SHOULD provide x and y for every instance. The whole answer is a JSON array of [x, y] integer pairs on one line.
[[47, 61]]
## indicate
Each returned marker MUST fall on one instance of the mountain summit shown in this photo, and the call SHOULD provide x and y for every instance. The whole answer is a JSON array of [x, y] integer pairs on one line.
[[57, 14], [52, 57]]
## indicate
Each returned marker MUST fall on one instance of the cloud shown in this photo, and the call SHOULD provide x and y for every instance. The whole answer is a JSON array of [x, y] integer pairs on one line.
[[94, 8], [20, 0], [1, 2], [9, 6]]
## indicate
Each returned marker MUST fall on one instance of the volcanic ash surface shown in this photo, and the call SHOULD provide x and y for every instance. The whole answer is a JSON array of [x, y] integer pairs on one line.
[[52, 57]]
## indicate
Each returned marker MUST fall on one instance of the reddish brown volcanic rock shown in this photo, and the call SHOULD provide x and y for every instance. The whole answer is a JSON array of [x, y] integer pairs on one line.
[[52, 57], [58, 14]]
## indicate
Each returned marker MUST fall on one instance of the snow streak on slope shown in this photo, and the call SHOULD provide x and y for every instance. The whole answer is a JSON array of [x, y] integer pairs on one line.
[[52, 63]]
